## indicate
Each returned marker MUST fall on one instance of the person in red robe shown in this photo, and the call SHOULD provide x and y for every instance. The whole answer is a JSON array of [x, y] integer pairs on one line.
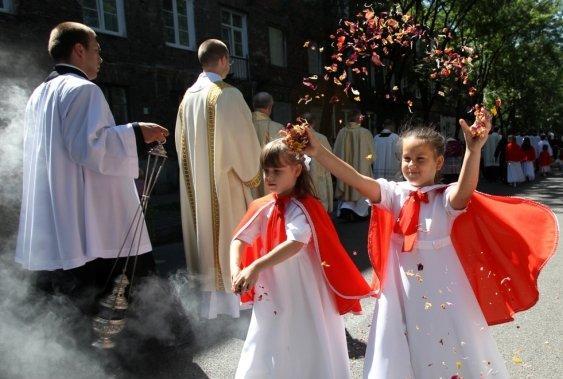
[[287, 260], [528, 165], [514, 157], [545, 160]]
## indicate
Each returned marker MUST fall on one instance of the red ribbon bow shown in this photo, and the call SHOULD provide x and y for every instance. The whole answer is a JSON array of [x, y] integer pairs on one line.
[[407, 223]]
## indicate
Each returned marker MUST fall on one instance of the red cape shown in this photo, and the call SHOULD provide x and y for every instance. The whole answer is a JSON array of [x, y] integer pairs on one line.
[[343, 278], [502, 244]]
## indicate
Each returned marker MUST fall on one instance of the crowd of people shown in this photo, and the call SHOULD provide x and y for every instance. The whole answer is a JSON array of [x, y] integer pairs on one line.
[[257, 229]]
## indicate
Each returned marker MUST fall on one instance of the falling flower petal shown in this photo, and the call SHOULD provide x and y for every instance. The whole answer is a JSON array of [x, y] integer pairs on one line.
[[516, 359]]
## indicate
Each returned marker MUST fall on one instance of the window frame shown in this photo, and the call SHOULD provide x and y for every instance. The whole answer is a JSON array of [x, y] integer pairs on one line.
[[119, 5], [190, 27], [284, 47], [8, 6], [243, 30]]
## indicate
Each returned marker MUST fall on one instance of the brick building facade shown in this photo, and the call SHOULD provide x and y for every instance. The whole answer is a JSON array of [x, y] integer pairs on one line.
[[149, 47]]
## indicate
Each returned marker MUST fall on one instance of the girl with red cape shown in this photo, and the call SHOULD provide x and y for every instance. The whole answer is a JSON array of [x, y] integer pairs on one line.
[[287, 259], [450, 261], [514, 157]]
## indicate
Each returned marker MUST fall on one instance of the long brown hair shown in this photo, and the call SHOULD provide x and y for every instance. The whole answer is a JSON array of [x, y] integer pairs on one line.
[[277, 154]]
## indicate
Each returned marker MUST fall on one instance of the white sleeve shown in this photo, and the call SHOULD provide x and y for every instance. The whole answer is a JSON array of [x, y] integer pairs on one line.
[[91, 136], [251, 231], [297, 227], [387, 190], [452, 213]]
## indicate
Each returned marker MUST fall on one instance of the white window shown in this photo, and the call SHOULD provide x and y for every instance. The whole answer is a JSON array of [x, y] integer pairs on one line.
[[179, 23], [6, 6], [277, 47], [234, 32], [315, 59], [106, 16]]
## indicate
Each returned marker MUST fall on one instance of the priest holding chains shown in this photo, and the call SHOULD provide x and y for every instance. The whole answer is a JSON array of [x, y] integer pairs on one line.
[[79, 167]]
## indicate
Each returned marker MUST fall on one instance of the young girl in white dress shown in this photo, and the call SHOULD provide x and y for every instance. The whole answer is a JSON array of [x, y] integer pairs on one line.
[[298, 285], [427, 322]]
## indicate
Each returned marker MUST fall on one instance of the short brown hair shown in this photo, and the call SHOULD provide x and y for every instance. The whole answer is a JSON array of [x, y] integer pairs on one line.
[[277, 154], [211, 51], [64, 36]]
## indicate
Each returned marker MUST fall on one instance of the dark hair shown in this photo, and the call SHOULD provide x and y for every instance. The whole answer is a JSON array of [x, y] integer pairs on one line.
[[63, 38], [427, 134], [526, 144], [355, 113], [262, 100], [312, 119], [211, 51], [277, 154], [430, 136]]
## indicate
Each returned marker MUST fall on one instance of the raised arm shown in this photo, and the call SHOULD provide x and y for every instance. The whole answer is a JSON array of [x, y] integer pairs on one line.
[[469, 175], [366, 185]]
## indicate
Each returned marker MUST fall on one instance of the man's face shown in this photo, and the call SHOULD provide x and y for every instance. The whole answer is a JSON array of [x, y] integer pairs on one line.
[[92, 59]]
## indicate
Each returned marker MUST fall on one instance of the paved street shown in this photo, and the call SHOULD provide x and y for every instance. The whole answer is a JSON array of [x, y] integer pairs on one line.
[[211, 348]]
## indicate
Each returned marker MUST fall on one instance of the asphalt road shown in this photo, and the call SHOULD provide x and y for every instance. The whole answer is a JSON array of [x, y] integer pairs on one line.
[[531, 345]]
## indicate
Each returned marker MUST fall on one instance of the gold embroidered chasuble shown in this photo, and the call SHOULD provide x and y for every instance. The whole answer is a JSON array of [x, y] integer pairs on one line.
[[321, 177], [354, 145], [218, 155]]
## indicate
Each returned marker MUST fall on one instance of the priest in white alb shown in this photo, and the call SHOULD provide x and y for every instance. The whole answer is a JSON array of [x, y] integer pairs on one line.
[[219, 157], [387, 163], [354, 145], [79, 195]]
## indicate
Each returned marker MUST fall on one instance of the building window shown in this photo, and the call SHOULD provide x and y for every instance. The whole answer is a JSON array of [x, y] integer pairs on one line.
[[117, 100], [106, 16], [233, 32], [314, 59], [6, 6], [179, 23], [277, 47]]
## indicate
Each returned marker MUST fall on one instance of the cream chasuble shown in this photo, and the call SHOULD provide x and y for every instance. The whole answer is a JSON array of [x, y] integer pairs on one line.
[[219, 156], [354, 145], [266, 130], [322, 179]]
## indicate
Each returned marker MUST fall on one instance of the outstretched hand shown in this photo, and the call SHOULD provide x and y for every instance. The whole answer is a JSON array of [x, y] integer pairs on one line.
[[476, 135], [314, 145]]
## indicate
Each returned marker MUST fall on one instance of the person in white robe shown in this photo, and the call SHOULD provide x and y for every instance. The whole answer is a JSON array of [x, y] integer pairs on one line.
[[322, 179], [387, 161], [79, 195], [354, 145], [266, 128], [543, 141], [491, 162], [219, 158]]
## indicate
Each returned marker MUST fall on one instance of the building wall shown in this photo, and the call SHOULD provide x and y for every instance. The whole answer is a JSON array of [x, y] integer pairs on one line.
[[153, 75]]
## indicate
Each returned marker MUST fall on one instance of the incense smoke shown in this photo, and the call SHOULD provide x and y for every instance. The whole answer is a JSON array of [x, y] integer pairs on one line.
[[45, 335]]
